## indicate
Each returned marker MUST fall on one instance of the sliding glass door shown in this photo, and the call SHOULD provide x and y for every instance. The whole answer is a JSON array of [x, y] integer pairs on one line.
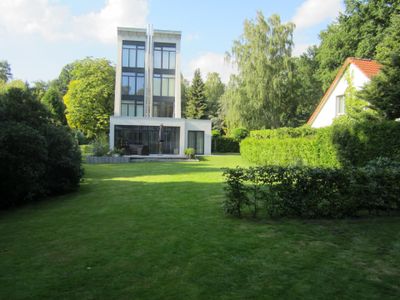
[[196, 141]]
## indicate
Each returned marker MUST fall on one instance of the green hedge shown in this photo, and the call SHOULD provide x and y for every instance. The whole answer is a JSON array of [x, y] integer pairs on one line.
[[224, 144], [313, 192], [345, 144], [311, 150]]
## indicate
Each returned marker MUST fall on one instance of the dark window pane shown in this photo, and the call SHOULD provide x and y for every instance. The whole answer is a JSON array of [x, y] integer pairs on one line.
[[125, 85]]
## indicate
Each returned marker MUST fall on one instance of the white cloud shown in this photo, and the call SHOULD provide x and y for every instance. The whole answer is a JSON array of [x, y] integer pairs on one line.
[[55, 22], [211, 62], [313, 12], [300, 48]]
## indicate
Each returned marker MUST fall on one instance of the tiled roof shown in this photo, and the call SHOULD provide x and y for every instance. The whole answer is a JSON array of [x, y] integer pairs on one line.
[[369, 67]]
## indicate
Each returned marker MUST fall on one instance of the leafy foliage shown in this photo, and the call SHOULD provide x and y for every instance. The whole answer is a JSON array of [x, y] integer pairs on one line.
[[53, 101], [214, 89], [196, 99], [5, 71], [261, 95], [346, 143], [312, 192], [90, 96], [37, 157], [358, 32], [224, 144], [190, 153], [383, 92]]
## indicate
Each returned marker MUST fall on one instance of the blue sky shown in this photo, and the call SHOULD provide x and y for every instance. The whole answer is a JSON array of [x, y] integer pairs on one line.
[[38, 37]]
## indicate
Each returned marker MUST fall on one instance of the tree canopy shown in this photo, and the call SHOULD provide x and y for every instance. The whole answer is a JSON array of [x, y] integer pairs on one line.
[[261, 96], [90, 96], [5, 71], [196, 100]]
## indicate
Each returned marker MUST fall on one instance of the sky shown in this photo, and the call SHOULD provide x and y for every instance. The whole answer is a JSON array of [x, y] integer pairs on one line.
[[39, 37]]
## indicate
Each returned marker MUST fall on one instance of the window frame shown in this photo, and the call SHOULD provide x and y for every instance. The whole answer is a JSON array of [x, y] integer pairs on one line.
[[196, 132], [340, 103]]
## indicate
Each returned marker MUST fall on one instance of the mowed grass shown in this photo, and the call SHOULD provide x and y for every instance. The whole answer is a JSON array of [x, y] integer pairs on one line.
[[157, 231]]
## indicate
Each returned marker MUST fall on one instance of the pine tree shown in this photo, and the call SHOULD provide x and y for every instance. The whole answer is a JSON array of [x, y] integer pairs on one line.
[[196, 100]]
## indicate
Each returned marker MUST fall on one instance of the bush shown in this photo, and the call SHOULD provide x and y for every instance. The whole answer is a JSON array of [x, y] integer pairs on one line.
[[238, 134], [343, 144], [190, 153], [100, 146], [312, 192], [37, 157], [23, 157], [311, 150], [224, 144], [63, 164]]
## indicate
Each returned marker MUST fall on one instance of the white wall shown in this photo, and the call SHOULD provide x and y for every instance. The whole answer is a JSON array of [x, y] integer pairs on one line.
[[328, 112]]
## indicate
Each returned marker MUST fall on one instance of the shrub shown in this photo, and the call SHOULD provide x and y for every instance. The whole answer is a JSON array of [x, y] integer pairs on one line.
[[224, 144], [343, 144], [313, 150], [312, 192], [239, 134], [37, 156], [23, 156], [100, 146], [63, 166], [190, 153]]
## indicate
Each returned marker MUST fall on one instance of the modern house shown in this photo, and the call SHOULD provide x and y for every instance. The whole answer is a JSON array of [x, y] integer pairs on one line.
[[333, 102], [147, 107]]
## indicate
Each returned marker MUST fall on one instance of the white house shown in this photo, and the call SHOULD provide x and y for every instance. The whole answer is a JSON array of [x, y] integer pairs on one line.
[[333, 103], [147, 105]]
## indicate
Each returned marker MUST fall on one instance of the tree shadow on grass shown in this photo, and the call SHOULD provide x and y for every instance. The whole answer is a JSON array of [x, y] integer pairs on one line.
[[153, 240]]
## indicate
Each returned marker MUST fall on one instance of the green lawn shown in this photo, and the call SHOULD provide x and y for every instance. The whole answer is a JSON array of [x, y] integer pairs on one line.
[[157, 231]]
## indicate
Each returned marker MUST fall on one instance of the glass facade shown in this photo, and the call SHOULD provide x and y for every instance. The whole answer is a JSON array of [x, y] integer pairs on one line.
[[196, 141], [164, 57], [133, 56], [158, 139], [164, 85], [132, 84], [134, 108]]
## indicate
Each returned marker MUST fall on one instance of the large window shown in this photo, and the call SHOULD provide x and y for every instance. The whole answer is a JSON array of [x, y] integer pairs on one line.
[[159, 139], [340, 105], [164, 57], [163, 109], [133, 56], [164, 85], [133, 84], [132, 108], [196, 141]]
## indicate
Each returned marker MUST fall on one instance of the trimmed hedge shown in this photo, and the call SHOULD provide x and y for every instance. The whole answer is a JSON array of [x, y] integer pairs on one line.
[[311, 150], [224, 144], [350, 144], [313, 192]]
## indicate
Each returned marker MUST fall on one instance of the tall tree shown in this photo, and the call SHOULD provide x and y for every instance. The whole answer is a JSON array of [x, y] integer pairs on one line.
[[53, 101], [357, 32], [383, 92], [196, 99], [263, 90], [214, 89], [39, 89], [90, 97], [309, 86], [5, 71]]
